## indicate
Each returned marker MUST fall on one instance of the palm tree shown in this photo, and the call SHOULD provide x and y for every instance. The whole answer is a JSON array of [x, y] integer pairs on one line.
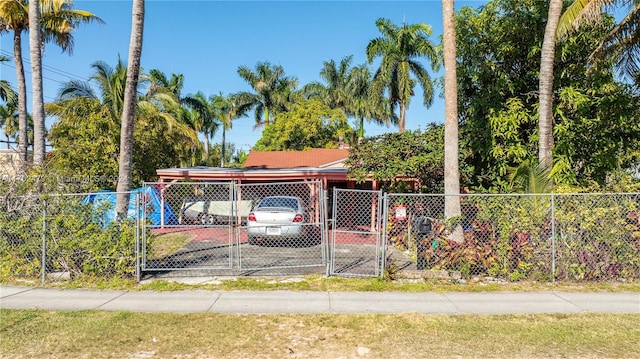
[[9, 120], [156, 109], [622, 42], [400, 48], [7, 94], [348, 89], [128, 113], [35, 53], [361, 106], [110, 82], [203, 118], [57, 21], [451, 151], [272, 90], [159, 82], [547, 59], [227, 109], [335, 93], [16, 18]]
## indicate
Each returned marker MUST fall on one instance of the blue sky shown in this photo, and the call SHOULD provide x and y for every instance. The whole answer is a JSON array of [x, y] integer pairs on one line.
[[206, 41]]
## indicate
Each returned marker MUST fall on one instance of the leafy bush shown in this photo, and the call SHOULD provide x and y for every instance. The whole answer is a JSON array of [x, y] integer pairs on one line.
[[534, 237], [76, 238]]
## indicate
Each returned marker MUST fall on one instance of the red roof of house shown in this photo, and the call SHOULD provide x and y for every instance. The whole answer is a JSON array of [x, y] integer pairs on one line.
[[316, 157]]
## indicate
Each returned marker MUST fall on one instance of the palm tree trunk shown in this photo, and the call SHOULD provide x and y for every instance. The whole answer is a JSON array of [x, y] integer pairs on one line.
[[22, 97], [223, 149], [128, 112], [547, 58], [402, 120], [35, 51], [206, 148], [451, 151]]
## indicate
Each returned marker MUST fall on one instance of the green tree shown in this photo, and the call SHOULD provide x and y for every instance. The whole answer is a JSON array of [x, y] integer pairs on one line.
[[497, 100], [7, 94], [92, 120], [347, 88], [203, 118], [9, 120], [362, 107], [400, 49], [309, 124], [394, 158], [8, 111], [336, 92], [226, 110], [272, 90], [57, 21], [620, 44]]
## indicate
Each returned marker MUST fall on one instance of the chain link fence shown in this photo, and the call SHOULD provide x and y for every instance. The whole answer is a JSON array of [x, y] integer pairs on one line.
[[516, 237], [189, 226], [60, 237], [217, 229], [231, 229]]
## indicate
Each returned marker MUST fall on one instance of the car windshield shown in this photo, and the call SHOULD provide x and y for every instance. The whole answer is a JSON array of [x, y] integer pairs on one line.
[[282, 202]]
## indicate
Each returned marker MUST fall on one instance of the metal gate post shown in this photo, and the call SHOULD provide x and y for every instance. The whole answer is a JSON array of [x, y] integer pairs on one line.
[[44, 241]]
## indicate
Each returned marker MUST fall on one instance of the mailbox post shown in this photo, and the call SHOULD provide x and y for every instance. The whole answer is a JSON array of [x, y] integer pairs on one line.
[[421, 227]]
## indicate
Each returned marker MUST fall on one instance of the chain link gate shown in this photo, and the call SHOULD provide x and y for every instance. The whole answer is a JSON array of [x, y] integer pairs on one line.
[[285, 233], [356, 248], [189, 226], [206, 227]]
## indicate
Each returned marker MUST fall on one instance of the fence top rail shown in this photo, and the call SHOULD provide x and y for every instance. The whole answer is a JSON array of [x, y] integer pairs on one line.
[[514, 194], [42, 195]]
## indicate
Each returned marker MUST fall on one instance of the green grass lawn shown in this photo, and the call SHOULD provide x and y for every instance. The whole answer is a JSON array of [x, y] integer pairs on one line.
[[101, 334]]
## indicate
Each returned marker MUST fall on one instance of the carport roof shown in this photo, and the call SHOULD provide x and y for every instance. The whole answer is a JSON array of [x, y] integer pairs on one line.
[[252, 174], [315, 164]]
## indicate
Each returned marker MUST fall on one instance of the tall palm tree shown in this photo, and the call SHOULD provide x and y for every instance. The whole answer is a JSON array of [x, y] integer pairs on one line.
[[9, 120], [110, 82], [37, 107], [156, 110], [451, 151], [362, 107], [400, 49], [57, 21], [15, 18], [203, 118], [8, 111], [336, 93], [622, 43], [7, 94], [272, 90], [227, 109], [158, 81], [347, 88], [128, 113], [547, 59]]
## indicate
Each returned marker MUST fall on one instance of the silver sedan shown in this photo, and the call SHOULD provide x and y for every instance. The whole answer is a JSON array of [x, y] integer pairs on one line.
[[276, 217]]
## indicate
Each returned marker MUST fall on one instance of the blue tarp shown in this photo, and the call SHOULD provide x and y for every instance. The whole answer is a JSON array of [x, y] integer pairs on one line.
[[149, 197]]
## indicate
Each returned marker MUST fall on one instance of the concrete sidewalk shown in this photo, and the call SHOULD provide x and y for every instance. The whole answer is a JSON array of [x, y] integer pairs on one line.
[[259, 302]]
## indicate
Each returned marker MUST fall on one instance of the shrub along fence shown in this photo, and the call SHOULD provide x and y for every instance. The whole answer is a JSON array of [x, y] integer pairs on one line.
[[565, 237], [571, 237], [66, 236]]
